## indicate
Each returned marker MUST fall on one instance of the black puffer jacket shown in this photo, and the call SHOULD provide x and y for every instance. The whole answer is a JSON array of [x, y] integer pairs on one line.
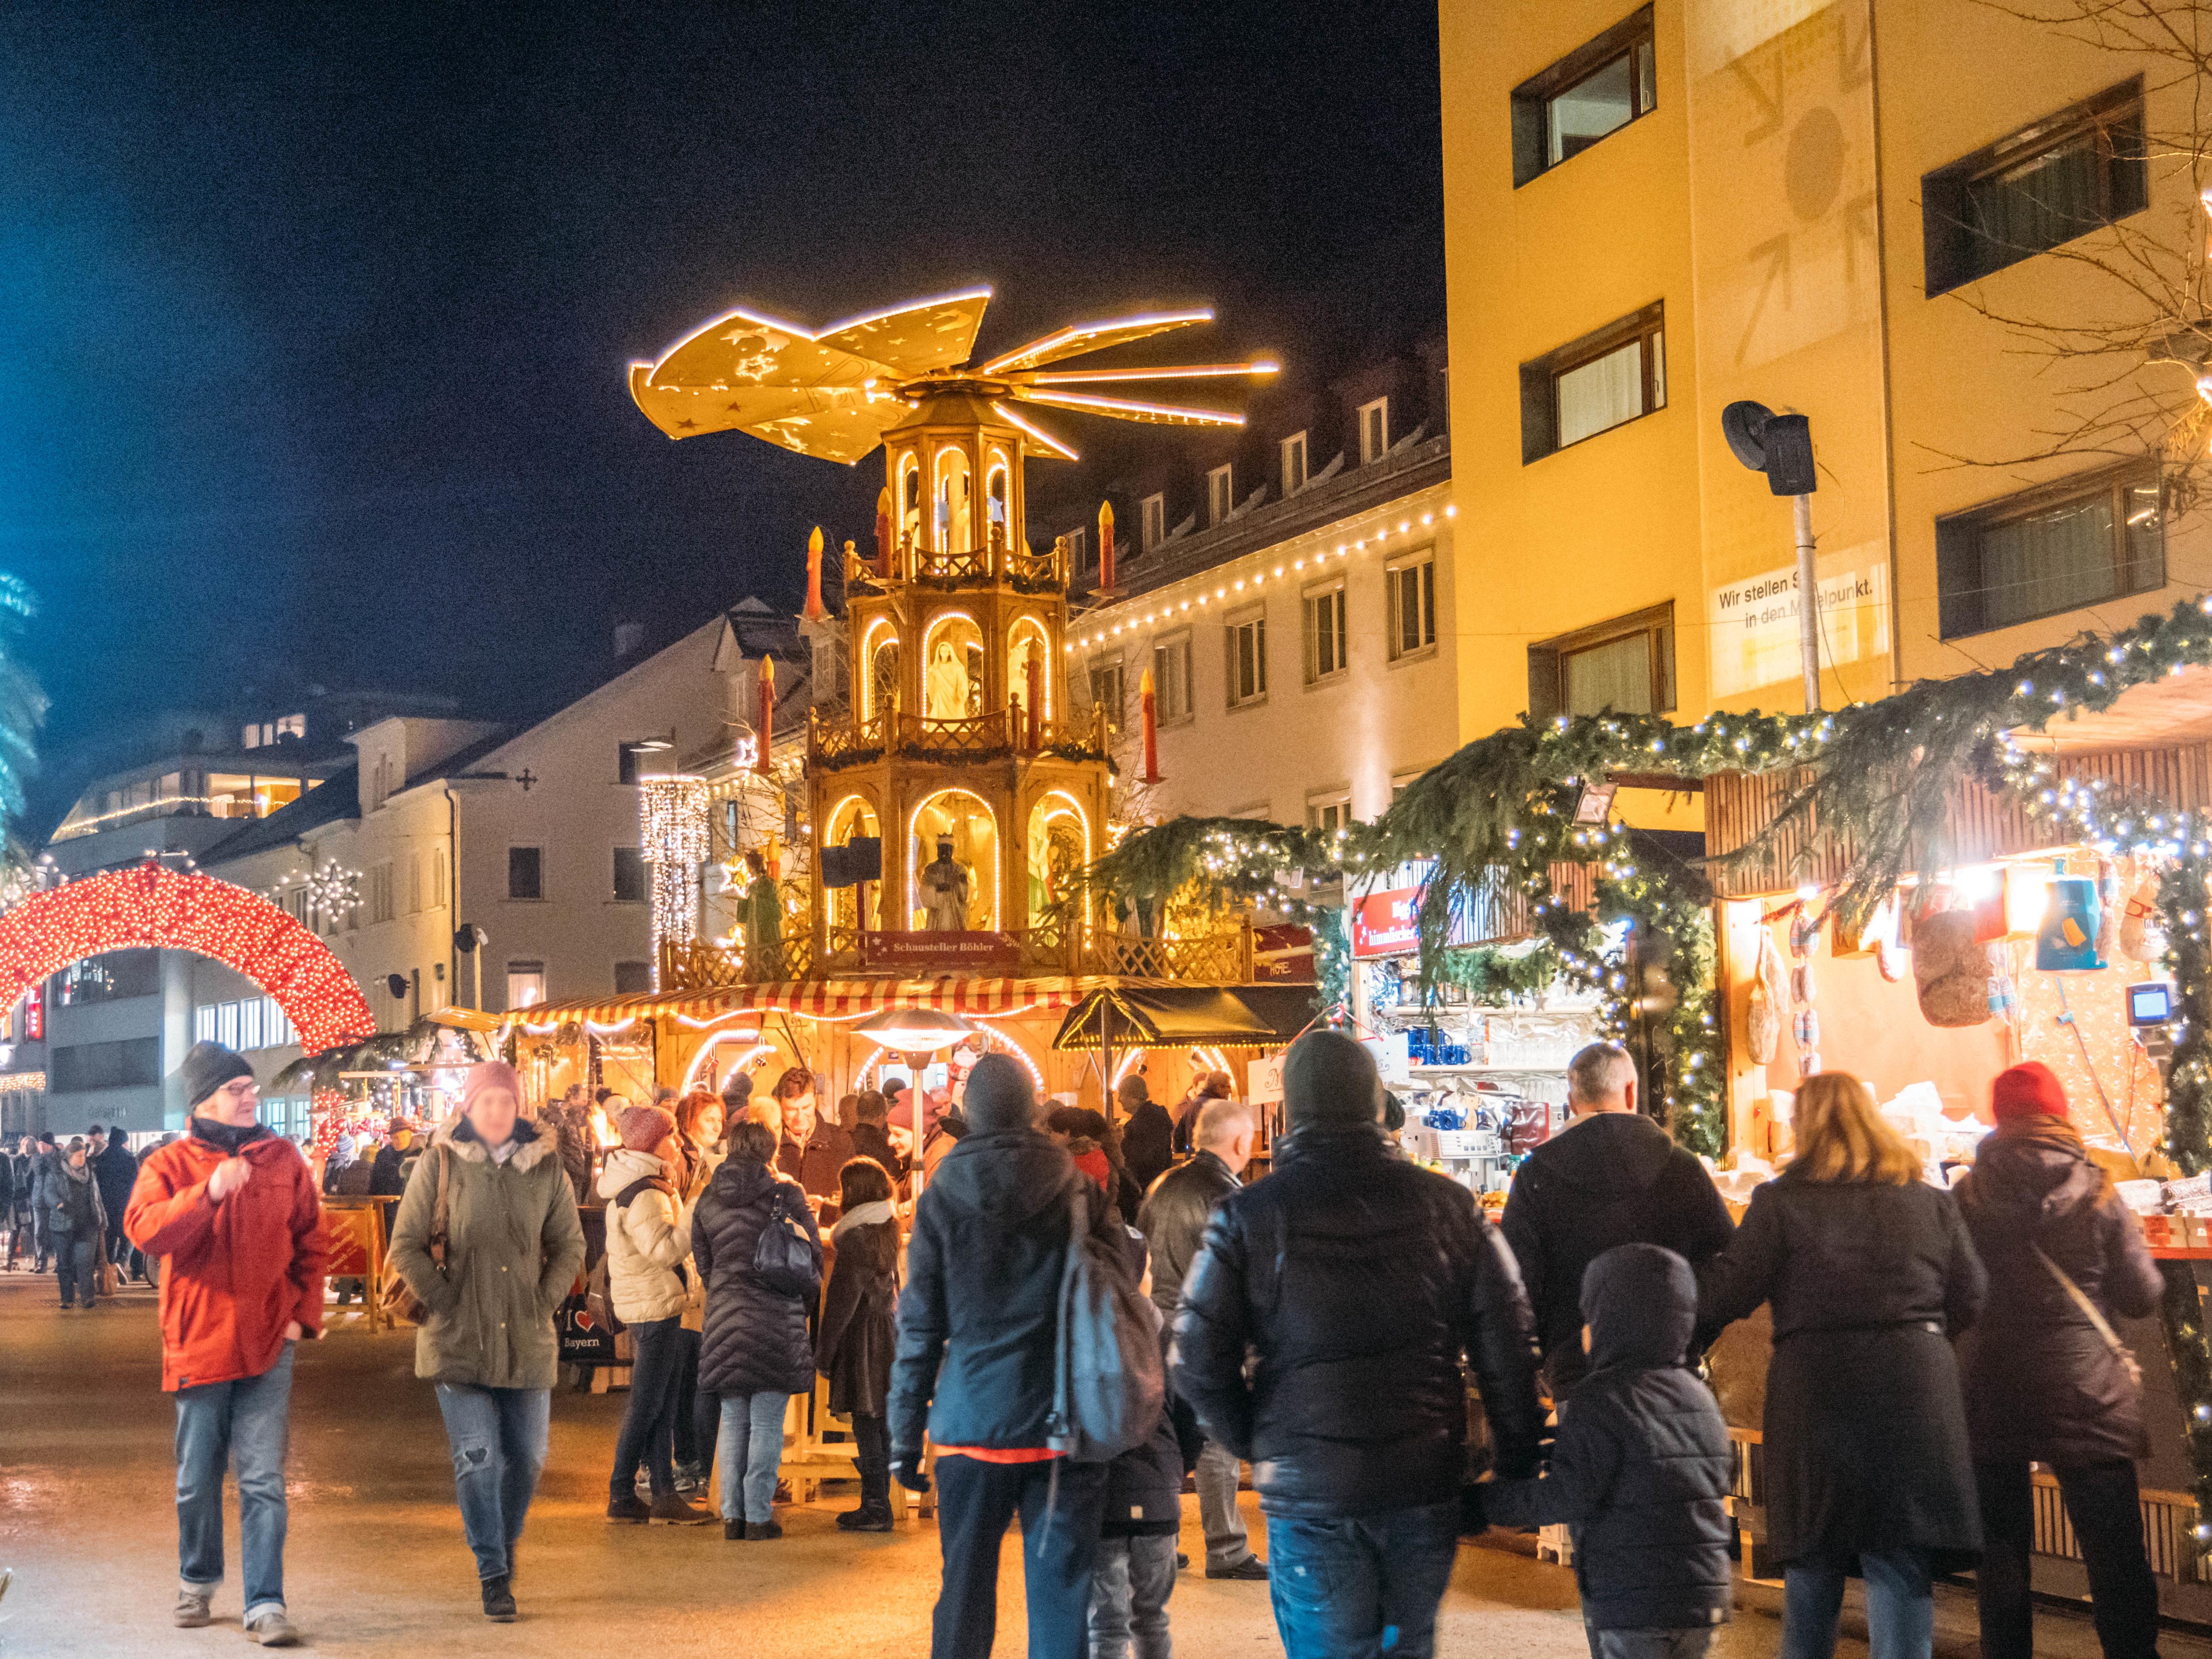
[[1612, 1178], [1642, 1468], [1173, 1221], [1148, 1144], [1865, 1430], [1362, 1282], [2040, 1381], [978, 1321], [754, 1341]]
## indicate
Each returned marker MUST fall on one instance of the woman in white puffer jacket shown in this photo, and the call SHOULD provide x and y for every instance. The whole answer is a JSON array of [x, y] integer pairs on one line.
[[648, 1237]]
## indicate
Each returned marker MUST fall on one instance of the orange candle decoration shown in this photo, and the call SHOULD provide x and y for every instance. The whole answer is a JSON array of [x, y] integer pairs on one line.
[[1145, 704], [1033, 672], [816, 611], [767, 725], [1105, 547]]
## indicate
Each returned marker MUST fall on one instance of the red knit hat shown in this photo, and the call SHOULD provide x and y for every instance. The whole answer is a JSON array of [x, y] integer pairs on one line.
[[2028, 1090], [643, 1128]]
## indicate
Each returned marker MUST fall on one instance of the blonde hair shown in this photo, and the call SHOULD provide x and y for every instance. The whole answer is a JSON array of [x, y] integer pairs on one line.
[[1841, 1137]]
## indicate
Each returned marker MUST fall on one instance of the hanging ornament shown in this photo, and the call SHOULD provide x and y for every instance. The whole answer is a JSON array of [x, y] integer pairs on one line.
[[2111, 904], [1951, 969], [1762, 1027], [2139, 923], [2004, 994]]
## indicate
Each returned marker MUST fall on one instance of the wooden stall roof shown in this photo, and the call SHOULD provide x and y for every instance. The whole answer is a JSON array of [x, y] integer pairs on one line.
[[819, 999]]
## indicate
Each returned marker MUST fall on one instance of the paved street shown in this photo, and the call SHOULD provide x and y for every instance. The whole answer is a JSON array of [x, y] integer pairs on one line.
[[376, 1565]]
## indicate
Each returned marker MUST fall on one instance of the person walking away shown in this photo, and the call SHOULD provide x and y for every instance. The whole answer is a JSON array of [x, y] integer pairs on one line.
[[1641, 1468], [232, 1213], [1361, 1281], [648, 1238], [755, 1353], [78, 1225], [858, 1316], [45, 1169], [978, 1329], [1173, 1221], [1147, 1131], [2044, 1379], [513, 1248], [1613, 1177], [813, 1149], [1870, 1274], [117, 1172]]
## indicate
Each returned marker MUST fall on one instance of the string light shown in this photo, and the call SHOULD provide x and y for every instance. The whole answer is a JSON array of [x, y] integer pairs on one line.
[[676, 837]]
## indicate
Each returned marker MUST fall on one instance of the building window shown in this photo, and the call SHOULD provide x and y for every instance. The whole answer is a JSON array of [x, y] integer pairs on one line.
[[380, 892], [1171, 698], [1106, 685], [632, 978], [1324, 633], [1078, 550], [1409, 590], [438, 879], [1220, 496], [249, 1023], [1374, 431], [1151, 522], [2052, 550], [413, 883], [1294, 464], [630, 875], [1626, 665], [1247, 659], [525, 872], [204, 1023], [1596, 89], [2061, 177], [132, 1063], [525, 984], [1330, 810], [114, 976], [276, 1029], [1592, 385]]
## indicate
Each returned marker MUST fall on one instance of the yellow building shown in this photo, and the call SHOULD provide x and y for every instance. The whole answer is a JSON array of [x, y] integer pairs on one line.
[[1651, 213]]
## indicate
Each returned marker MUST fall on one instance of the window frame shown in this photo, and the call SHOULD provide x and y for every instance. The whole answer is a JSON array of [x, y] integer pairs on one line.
[[1295, 444], [1152, 521], [615, 896], [1380, 408], [1220, 494], [644, 973], [1532, 100], [537, 865], [1547, 659], [519, 968], [1253, 617], [2115, 117], [1541, 376], [1338, 800], [1332, 596], [1954, 622], [1110, 663], [1079, 549], [1177, 644], [1393, 573]]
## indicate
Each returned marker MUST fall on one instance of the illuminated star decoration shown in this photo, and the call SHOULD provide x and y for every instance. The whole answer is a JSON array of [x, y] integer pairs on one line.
[[835, 392]]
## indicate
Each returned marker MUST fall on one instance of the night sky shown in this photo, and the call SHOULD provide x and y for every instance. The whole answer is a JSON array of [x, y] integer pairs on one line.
[[314, 317]]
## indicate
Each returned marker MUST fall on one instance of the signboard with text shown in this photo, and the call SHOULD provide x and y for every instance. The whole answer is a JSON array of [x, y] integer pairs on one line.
[[923, 955], [1754, 622]]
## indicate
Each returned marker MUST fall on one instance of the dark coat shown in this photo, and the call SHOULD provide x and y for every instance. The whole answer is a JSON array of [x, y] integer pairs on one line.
[[2040, 1381], [754, 1341], [978, 1322], [1613, 1178], [387, 1176], [1643, 1466], [815, 1165], [1173, 1221], [1865, 1428], [1144, 1484], [859, 1317], [1148, 1144], [1362, 1282], [74, 1206], [117, 1172]]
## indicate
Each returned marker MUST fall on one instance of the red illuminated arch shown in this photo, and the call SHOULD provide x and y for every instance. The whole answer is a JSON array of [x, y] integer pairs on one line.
[[167, 909]]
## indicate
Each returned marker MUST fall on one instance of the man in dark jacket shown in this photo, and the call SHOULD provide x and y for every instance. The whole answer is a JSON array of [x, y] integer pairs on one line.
[[1641, 1468], [977, 1331], [1147, 1131], [2041, 1381], [1173, 1221], [1362, 1283], [117, 1172], [813, 1149], [45, 1169], [1614, 1177]]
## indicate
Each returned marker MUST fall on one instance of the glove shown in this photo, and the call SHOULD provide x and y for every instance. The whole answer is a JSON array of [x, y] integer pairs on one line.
[[906, 1469]]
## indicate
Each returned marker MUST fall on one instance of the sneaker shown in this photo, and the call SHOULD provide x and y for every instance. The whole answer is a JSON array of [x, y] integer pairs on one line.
[[690, 1477], [191, 1612], [866, 1518], [273, 1629], [629, 1507], [498, 1601], [1251, 1567], [673, 1511], [763, 1529], [733, 1532]]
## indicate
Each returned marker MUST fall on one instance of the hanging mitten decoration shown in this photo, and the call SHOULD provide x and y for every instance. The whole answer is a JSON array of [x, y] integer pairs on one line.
[[1950, 969]]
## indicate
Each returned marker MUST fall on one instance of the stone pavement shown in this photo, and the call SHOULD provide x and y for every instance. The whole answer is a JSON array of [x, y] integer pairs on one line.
[[375, 1565]]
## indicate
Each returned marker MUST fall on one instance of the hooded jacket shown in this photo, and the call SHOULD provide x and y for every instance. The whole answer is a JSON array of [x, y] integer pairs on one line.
[[648, 1237], [235, 1273], [1642, 1465], [979, 1319], [74, 1206], [1364, 1284], [753, 1339], [860, 1310], [2040, 1383], [513, 1250], [1612, 1178], [116, 1170]]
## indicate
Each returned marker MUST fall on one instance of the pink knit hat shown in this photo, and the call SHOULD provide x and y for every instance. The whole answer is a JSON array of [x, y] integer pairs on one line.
[[644, 1127], [491, 1074]]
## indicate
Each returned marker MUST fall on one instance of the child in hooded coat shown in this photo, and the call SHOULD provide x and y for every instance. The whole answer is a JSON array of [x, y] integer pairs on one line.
[[1641, 1469], [858, 1330]]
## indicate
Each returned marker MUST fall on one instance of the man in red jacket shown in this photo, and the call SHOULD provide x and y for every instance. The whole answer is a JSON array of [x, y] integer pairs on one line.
[[232, 1212]]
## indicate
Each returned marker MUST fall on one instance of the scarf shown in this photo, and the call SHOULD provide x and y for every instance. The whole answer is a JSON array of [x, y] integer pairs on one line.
[[224, 1138], [874, 1212], [76, 1174]]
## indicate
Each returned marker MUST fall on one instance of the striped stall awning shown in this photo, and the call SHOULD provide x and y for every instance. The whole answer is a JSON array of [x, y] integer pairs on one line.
[[819, 999]]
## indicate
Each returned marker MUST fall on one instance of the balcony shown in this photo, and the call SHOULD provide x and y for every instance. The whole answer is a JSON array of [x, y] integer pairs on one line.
[[1220, 958], [996, 736]]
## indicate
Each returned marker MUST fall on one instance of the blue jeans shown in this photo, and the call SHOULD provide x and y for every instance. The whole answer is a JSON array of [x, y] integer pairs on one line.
[[747, 1448], [1900, 1607], [498, 1438], [247, 1419], [73, 1266], [1359, 1589]]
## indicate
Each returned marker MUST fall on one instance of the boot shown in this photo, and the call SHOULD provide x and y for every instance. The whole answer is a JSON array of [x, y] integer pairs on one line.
[[629, 1507], [498, 1601], [754, 1530], [733, 1532], [670, 1510], [869, 1517], [191, 1612]]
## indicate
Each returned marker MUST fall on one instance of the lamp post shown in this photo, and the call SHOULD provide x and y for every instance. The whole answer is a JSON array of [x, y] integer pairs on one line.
[[1781, 447]]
